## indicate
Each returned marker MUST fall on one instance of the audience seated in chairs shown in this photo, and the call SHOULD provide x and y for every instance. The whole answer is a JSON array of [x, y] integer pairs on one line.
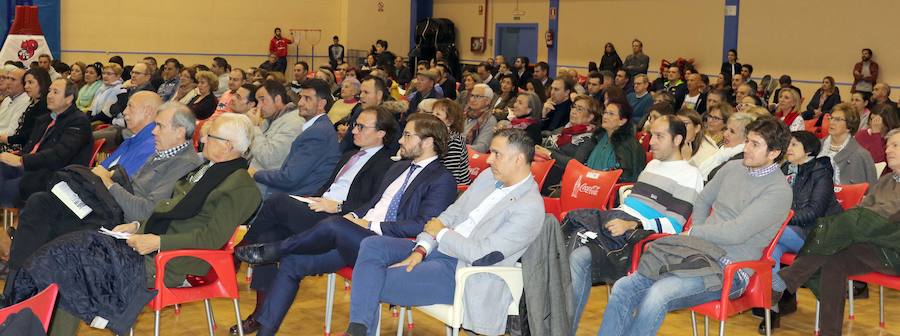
[[700, 146], [413, 191], [733, 148], [480, 123], [140, 81], [493, 223], [737, 215], [139, 119], [861, 240], [36, 83], [44, 217], [372, 92], [882, 120], [574, 141], [353, 182], [15, 103], [60, 138], [525, 114], [660, 201], [206, 207], [557, 108]]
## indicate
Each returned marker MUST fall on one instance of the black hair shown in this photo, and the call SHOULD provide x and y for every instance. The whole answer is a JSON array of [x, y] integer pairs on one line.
[[785, 79], [118, 60], [568, 83], [543, 65], [385, 121], [71, 89], [749, 68], [323, 91], [676, 127], [518, 139], [524, 60], [42, 77], [304, 64], [380, 86], [811, 144], [252, 89], [222, 63], [869, 50], [275, 88]]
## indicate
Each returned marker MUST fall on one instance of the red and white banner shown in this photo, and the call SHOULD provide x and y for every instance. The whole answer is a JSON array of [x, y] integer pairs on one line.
[[25, 41]]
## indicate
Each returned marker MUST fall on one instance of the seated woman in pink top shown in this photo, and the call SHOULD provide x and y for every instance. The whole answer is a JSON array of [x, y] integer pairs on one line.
[[882, 120]]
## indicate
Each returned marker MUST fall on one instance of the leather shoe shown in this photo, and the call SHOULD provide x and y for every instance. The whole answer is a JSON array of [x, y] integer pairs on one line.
[[249, 325], [775, 320], [258, 253]]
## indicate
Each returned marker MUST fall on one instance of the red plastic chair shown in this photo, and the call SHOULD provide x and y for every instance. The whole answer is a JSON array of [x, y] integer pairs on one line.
[[98, 144], [220, 282], [540, 169], [477, 164], [41, 304], [197, 129], [582, 187], [875, 278], [849, 195], [758, 293], [346, 273]]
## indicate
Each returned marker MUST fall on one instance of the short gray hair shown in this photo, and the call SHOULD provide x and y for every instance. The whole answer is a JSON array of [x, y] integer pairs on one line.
[[488, 92], [237, 128], [183, 117], [744, 118]]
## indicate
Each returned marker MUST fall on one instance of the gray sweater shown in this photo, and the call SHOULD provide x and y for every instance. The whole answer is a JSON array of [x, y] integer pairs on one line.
[[746, 213], [155, 181]]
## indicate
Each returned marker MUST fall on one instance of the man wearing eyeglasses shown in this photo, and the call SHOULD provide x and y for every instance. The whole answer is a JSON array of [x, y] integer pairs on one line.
[[413, 190], [312, 155], [353, 182]]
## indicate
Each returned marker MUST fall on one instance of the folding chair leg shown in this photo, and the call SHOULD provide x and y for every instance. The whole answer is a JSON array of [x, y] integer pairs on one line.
[[817, 318], [722, 328], [705, 325], [237, 315], [400, 321], [768, 322], [881, 306], [409, 318], [329, 302], [694, 322], [156, 324], [850, 296], [209, 317]]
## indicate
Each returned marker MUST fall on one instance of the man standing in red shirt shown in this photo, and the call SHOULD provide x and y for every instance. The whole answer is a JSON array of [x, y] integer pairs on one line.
[[278, 46]]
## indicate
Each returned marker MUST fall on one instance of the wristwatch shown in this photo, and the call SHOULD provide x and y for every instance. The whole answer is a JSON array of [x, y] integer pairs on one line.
[[339, 207]]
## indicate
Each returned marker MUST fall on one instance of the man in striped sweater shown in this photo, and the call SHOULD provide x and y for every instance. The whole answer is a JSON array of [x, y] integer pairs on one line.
[[660, 201]]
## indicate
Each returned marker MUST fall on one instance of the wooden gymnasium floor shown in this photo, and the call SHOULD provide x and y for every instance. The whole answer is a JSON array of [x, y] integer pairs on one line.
[[307, 315]]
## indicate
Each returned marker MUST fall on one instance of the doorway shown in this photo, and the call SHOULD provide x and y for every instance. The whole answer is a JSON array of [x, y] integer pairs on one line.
[[516, 39]]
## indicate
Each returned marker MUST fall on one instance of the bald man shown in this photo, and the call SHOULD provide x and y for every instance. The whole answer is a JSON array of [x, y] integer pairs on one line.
[[116, 132], [138, 115]]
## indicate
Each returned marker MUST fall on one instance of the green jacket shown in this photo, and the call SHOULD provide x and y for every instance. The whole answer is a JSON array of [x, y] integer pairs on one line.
[[858, 225], [228, 205]]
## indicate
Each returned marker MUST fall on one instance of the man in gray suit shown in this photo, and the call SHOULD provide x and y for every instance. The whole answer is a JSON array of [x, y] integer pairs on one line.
[[492, 223]]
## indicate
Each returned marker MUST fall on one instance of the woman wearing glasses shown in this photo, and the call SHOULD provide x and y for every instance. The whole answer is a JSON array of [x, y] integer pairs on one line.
[[107, 93], [852, 163]]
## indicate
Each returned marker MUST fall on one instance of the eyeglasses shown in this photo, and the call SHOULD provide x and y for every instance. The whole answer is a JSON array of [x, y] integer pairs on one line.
[[717, 118], [361, 127], [581, 109], [109, 73], [610, 114], [138, 73], [838, 119], [478, 96]]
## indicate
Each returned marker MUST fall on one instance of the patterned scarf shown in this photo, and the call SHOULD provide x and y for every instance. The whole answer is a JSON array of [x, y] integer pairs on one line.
[[565, 137], [522, 123], [480, 117]]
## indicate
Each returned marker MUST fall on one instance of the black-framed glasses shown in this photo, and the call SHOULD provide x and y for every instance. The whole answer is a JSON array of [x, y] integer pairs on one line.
[[217, 138], [361, 127]]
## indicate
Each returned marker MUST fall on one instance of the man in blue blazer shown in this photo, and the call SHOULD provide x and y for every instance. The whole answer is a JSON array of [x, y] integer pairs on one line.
[[313, 154], [413, 191]]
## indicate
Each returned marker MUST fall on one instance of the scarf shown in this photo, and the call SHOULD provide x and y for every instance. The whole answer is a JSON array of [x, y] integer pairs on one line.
[[788, 118], [829, 150], [522, 123], [86, 95], [106, 97], [603, 157], [565, 137], [480, 118], [192, 203]]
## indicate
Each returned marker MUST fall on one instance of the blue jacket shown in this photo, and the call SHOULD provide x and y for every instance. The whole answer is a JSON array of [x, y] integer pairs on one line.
[[426, 197], [134, 151], [308, 165]]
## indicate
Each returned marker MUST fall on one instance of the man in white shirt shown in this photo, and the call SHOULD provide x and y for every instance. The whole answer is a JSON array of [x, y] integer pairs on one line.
[[413, 190], [492, 223], [13, 106]]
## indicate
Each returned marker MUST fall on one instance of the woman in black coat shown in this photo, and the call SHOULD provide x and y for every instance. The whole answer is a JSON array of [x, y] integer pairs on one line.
[[610, 61], [812, 181], [823, 101]]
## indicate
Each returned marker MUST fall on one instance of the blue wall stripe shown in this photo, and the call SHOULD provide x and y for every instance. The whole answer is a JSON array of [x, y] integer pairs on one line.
[[553, 24], [730, 38]]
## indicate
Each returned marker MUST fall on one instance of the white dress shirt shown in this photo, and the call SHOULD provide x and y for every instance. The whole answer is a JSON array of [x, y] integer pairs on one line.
[[341, 186], [377, 214], [11, 110], [312, 120]]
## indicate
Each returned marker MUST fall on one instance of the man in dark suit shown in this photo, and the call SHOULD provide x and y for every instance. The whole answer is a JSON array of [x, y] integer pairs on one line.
[[413, 191], [59, 139], [353, 182], [313, 154], [522, 73]]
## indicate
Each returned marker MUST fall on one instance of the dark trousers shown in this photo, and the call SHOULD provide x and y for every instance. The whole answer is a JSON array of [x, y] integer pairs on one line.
[[332, 233], [43, 219], [10, 177], [280, 216], [835, 269]]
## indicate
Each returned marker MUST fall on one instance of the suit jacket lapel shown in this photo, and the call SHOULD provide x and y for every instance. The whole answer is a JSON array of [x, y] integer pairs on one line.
[[425, 174], [506, 202]]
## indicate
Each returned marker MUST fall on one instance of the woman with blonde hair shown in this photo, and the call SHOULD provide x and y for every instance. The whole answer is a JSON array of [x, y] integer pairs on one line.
[[204, 104], [788, 110]]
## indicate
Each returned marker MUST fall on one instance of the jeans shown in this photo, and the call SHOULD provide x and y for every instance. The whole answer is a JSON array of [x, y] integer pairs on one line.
[[580, 266], [791, 242], [638, 304]]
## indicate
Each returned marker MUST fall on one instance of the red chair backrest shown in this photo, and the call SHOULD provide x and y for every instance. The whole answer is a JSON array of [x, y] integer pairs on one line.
[[810, 125], [41, 304], [540, 169], [98, 144], [648, 156], [197, 129], [849, 195], [767, 252], [583, 187], [477, 163]]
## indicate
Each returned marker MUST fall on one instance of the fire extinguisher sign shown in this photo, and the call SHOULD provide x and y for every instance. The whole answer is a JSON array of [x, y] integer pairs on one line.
[[553, 13]]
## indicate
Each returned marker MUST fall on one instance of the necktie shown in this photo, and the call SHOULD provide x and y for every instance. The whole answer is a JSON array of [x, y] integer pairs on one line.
[[350, 164], [43, 137], [395, 202]]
